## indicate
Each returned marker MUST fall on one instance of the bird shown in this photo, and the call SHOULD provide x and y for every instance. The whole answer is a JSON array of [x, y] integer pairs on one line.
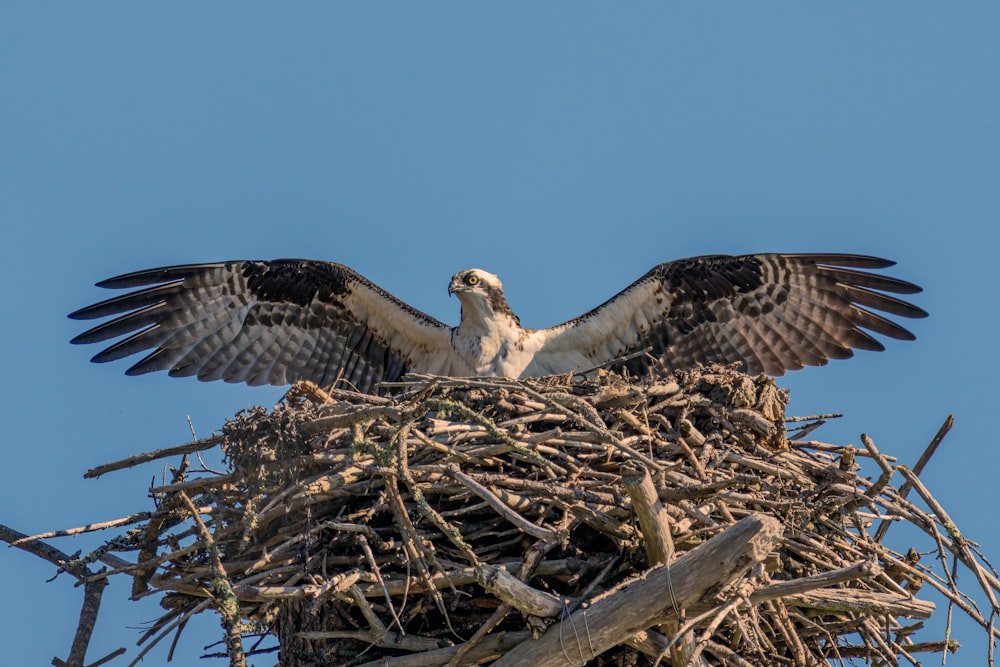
[[283, 321]]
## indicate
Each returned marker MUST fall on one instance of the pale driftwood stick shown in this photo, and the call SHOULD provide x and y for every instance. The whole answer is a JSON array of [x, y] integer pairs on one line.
[[934, 647], [833, 449], [689, 433], [847, 459], [197, 446], [653, 519], [650, 600], [769, 468], [655, 525], [863, 570], [663, 389], [868, 603], [92, 592], [90, 527], [699, 469], [514, 592], [599, 521], [756, 421], [783, 623]]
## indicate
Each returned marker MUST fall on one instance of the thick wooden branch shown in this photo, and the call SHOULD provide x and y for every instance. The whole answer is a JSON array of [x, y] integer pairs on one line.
[[612, 620], [863, 602], [653, 519], [514, 592]]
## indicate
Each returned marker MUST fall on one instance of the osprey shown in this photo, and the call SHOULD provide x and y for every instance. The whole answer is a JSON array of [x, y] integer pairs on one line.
[[281, 321]]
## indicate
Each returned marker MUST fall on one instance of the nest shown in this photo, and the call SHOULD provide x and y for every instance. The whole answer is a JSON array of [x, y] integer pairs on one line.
[[544, 522]]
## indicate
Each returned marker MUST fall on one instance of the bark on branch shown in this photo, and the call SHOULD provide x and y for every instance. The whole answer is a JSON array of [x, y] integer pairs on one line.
[[610, 621]]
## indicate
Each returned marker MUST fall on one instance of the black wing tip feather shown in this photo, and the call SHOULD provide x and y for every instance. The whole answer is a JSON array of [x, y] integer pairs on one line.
[[162, 274], [160, 302], [842, 268], [851, 260], [152, 279], [90, 312]]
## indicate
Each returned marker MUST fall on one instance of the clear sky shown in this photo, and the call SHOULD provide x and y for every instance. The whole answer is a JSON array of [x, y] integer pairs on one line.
[[566, 146]]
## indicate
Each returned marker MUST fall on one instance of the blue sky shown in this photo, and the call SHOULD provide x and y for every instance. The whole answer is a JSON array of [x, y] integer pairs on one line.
[[567, 147]]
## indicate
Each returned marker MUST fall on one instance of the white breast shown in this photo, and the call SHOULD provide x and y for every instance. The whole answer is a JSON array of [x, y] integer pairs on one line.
[[494, 346]]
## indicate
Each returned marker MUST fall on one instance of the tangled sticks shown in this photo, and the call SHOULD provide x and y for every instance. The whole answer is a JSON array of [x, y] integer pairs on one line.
[[544, 522]]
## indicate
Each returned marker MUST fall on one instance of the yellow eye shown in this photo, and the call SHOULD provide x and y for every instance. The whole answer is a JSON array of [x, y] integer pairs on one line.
[[472, 281]]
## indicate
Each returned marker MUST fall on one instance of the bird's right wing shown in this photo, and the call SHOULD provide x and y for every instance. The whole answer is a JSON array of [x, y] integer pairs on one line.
[[773, 312], [267, 322]]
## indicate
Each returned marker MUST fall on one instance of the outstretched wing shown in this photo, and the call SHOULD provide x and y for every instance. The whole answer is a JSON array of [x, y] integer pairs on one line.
[[266, 322], [774, 312]]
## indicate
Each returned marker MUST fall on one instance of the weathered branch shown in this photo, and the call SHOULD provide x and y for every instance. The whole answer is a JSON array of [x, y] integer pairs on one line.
[[656, 596], [137, 459]]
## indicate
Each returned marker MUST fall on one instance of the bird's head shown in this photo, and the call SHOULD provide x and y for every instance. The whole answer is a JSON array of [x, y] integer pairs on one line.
[[481, 292], [474, 281]]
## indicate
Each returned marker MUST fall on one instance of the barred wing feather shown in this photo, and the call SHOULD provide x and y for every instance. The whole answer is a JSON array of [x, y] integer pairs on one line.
[[267, 322], [773, 312]]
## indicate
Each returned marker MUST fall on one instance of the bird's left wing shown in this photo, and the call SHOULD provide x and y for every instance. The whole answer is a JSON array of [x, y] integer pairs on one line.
[[773, 312], [266, 322]]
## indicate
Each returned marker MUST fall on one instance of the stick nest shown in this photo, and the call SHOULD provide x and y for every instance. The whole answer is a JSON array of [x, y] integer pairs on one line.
[[460, 518]]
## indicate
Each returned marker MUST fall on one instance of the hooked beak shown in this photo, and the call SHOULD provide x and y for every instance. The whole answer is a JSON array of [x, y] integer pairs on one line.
[[456, 286]]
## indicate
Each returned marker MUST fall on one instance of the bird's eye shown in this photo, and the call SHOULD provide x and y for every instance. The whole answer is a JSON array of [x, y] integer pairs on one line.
[[472, 281]]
